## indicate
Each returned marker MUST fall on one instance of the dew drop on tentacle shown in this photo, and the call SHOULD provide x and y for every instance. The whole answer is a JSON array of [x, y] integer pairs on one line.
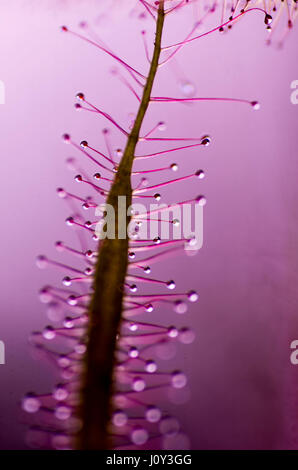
[[193, 296], [60, 392], [178, 379], [153, 414], [139, 436], [268, 19], [42, 262], [172, 332], [188, 89], [49, 333], [205, 141], [31, 403], [138, 384], [119, 418], [255, 105], [63, 412], [171, 285], [186, 336], [200, 174], [150, 366], [180, 307]]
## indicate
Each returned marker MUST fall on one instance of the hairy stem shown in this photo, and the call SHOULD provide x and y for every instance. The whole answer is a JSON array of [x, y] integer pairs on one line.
[[105, 311]]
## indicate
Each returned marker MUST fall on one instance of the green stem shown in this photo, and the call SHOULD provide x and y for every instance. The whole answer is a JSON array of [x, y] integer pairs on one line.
[[105, 311]]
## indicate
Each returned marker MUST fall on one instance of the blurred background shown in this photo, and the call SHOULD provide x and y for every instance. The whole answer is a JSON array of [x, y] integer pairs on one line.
[[243, 388]]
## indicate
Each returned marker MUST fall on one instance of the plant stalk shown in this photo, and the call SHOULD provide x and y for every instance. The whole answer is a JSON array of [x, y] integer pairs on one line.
[[105, 310]]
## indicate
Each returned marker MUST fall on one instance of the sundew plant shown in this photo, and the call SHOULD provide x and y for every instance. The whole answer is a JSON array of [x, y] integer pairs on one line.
[[107, 349]]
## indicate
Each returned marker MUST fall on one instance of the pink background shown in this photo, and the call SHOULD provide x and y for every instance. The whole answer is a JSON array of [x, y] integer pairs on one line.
[[240, 375]]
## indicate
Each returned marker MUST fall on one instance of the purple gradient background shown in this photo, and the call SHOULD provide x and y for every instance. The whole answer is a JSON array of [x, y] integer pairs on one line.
[[240, 375]]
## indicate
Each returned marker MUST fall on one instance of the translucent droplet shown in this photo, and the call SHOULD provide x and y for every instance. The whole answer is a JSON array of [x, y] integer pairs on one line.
[[80, 348], [139, 436], [172, 332], [268, 19], [78, 178], [66, 281], [133, 352], [149, 308], [97, 176], [180, 307], [200, 174], [150, 367], [84, 144], [80, 96], [192, 296], [147, 270], [178, 379], [69, 221], [88, 271], [60, 393], [153, 414], [131, 255], [201, 200], [59, 246], [41, 262], [72, 300], [119, 418], [49, 333], [66, 138], [186, 336], [187, 88], [171, 285], [157, 197], [133, 327], [61, 193], [138, 384], [256, 105], [68, 322], [31, 403], [63, 412], [192, 241], [45, 295], [174, 167], [54, 312], [63, 361], [176, 222], [161, 126], [205, 141], [133, 288]]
